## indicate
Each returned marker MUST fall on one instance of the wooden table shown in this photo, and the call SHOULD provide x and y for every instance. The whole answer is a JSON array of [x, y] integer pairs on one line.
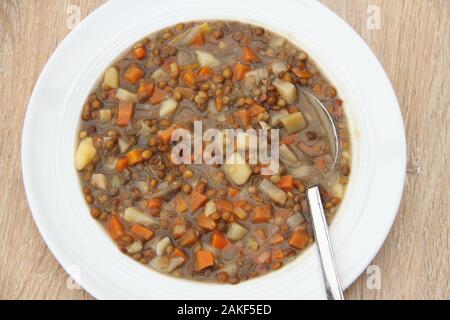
[[411, 39]]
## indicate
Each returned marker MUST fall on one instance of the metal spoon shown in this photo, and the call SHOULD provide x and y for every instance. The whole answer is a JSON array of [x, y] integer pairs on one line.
[[319, 223]]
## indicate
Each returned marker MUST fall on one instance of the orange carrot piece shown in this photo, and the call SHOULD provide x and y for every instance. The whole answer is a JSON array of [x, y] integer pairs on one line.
[[218, 240], [121, 164], [204, 259], [157, 96], [232, 192], [255, 110], [240, 70], [244, 116], [278, 238], [199, 40], [115, 227], [248, 55], [135, 157], [140, 53], [289, 139], [261, 214], [205, 73], [299, 239], [277, 254], [304, 74], [197, 200], [180, 204], [286, 183], [146, 88], [189, 78], [224, 205], [177, 252], [206, 223], [133, 74], [188, 239], [166, 135], [142, 231], [154, 203], [125, 112]]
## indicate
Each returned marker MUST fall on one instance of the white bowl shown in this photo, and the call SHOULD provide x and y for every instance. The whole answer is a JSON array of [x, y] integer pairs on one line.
[[79, 242]]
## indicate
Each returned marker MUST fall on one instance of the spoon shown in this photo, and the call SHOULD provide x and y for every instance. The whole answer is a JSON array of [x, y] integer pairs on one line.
[[319, 223]]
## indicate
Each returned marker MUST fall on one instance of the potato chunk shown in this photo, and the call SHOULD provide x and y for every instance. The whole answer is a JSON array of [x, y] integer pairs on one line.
[[236, 169], [294, 122], [286, 90], [85, 153], [111, 78]]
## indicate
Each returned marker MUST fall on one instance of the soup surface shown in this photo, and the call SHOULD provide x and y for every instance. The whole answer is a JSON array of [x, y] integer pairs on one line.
[[210, 222]]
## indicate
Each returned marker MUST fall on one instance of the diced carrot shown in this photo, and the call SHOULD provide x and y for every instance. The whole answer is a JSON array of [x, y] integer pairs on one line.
[[299, 239], [205, 73], [140, 53], [197, 200], [286, 183], [248, 55], [224, 205], [304, 74], [191, 66], [232, 192], [125, 112], [261, 214], [180, 204], [255, 110], [166, 134], [178, 252], [218, 240], [146, 89], [154, 203], [121, 164], [206, 223], [278, 238], [188, 239], [240, 70], [157, 96], [199, 40], [277, 254], [204, 259], [289, 139], [189, 78], [244, 116], [133, 74], [115, 227], [142, 231], [135, 157]]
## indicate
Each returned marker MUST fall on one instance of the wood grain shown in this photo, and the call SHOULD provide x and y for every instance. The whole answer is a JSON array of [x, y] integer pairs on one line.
[[413, 46]]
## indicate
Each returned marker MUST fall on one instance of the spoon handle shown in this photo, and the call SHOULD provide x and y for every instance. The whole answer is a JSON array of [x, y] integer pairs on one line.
[[331, 278]]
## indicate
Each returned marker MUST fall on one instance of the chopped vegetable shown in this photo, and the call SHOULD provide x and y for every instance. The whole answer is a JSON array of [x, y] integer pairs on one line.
[[121, 164], [205, 73], [197, 200], [140, 53], [204, 259], [232, 192], [294, 122], [100, 181], [276, 116], [210, 208], [85, 153], [190, 78], [303, 74], [115, 227], [236, 231], [299, 239], [236, 170], [168, 108], [248, 55], [240, 213], [180, 204], [286, 90], [157, 96], [105, 115], [125, 112], [206, 223], [133, 215], [272, 191], [224, 205], [162, 245], [111, 78], [142, 231], [133, 74], [261, 214], [278, 67], [240, 70], [154, 203], [135, 247], [255, 109], [287, 183], [207, 59], [126, 96], [218, 240], [188, 239]]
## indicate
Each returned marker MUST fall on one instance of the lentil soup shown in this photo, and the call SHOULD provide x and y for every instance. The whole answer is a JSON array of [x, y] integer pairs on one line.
[[221, 223]]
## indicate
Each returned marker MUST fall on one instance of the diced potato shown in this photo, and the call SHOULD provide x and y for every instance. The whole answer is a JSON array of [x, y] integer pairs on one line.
[[286, 90], [294, 122], [205, 28], [162, 246], [295, 220], [276, 116], [99, 181], [105, 115], [174, 263], [254, 77], [272, 191], [123, 145], [278, 67], [240, 213], [210, 208], [206, 59], [125, 95], [236, 231], [133, 215], [85, 153], [142, 186], [236, 169], [135, 247], [337, 189], [160, 75], [168, 108], [111, 78], [277, 42], [252, 245]]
